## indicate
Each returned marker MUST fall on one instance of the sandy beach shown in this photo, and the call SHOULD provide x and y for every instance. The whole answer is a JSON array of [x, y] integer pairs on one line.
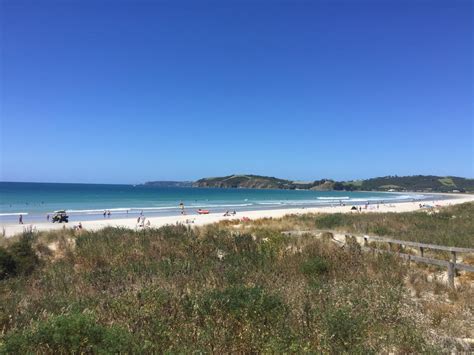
[[9, 230]]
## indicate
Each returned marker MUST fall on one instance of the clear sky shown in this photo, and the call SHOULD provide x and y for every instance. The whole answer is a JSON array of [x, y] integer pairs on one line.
[[129, 91]]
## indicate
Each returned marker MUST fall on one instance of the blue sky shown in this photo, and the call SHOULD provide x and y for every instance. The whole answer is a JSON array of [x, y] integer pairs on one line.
[[129, 91]]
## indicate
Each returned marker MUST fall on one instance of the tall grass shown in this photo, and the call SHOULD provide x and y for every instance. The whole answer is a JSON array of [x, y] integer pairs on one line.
[[213, 289], [452, 226]]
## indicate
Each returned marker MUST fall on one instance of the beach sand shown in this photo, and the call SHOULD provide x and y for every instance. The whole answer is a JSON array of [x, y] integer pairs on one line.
[[9, 230]]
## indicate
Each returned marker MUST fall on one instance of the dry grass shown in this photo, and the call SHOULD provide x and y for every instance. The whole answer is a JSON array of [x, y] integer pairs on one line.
[[227, 288], [452, 226]]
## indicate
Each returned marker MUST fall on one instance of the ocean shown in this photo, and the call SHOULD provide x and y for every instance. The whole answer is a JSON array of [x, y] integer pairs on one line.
[[88, 201]]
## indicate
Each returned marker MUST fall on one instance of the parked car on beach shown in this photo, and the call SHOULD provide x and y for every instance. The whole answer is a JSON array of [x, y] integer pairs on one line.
[[60, 216]]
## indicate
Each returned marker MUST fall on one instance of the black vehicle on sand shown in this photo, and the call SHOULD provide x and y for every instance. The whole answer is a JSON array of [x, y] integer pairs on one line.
[[60, 216]]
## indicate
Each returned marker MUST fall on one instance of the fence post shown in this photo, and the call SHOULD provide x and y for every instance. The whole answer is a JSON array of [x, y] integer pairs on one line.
[[453, 259], [451, 274], [366, 242], [422, 251]]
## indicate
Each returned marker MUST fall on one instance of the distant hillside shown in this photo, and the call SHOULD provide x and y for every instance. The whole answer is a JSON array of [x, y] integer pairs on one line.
[[424, 183], [169, 183], [244, 181], [261, 182]]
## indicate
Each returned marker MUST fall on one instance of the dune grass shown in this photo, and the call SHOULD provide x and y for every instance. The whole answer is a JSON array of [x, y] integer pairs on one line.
[[452, 226], [217, 289]]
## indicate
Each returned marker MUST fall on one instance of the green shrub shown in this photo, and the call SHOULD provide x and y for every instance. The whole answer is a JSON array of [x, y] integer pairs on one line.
[[247, 318], [23, 254], [345, 330], [242, 302], [7, 264], [72, 334], [316, 265]]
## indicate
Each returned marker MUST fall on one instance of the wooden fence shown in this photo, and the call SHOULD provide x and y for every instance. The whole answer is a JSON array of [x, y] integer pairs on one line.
[[451, 265]]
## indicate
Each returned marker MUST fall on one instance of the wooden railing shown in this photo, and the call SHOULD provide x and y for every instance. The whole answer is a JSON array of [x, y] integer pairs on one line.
[[451, 265]]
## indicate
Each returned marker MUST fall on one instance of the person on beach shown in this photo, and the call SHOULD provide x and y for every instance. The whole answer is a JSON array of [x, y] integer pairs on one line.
[[47, 217], [105, 213], [108, 213], [181, 206], [20, 219]]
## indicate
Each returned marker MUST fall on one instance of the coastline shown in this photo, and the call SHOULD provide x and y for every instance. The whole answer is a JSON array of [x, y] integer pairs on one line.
[[9, 230]]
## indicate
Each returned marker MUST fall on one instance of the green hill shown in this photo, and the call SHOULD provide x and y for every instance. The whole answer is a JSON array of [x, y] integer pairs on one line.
[[422, 183], [244, 181], [262, 182], [425, 183]]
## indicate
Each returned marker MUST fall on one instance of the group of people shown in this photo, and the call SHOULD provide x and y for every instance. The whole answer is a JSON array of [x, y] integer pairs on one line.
[[366, 206], [143, 222]]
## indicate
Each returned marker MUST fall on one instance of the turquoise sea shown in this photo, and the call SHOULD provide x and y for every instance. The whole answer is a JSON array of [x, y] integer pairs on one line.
[[88, 201]]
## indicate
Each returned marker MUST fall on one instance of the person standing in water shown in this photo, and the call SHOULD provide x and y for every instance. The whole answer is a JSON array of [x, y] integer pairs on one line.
[[20, 219], [181, 205]]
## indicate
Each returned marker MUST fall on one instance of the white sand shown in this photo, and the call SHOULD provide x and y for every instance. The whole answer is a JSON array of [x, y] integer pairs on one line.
[[9, 230]]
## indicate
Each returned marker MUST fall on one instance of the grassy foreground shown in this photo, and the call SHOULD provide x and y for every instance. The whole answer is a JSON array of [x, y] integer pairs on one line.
[[450, 226], [228, 287]]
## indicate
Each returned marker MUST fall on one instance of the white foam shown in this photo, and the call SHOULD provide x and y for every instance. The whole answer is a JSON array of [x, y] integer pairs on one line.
[[99, 210], [410, 197], [272, 203], [335, 198], [224, 205], [14, 214], [368, 199], [153, 208]]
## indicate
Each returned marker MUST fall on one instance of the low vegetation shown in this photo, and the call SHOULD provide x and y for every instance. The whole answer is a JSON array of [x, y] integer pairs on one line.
[[450, 226], [228, 287], [19, 258]]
